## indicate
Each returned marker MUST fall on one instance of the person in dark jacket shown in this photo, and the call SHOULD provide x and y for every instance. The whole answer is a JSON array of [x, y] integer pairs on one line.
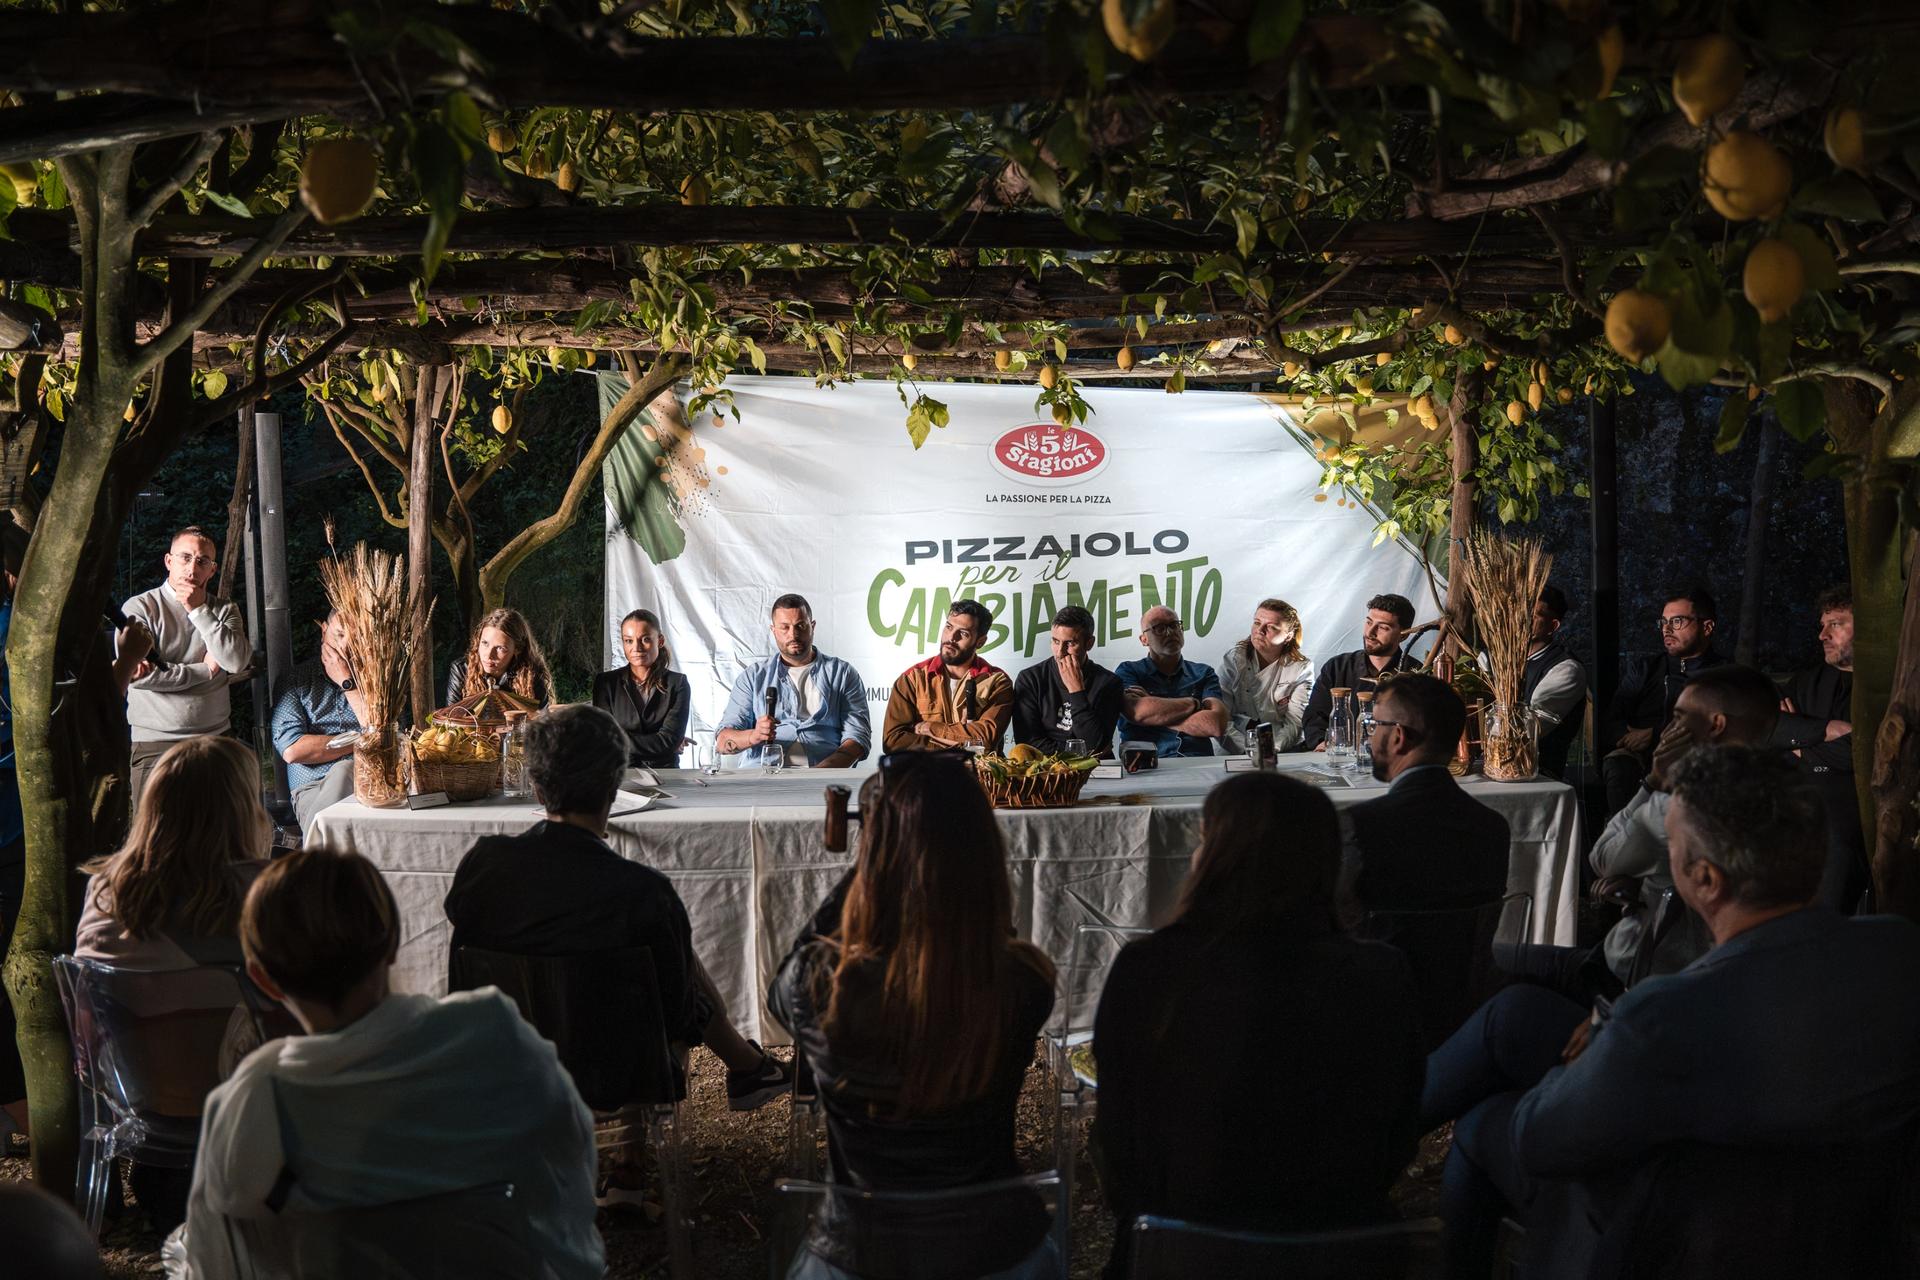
[[557, 889], [917, 1009], [1798, 1031], [1643, 703], [1816, 722], [1254, 980], [1068, 695], [1389, 618], [646, 698], [1554, 683]]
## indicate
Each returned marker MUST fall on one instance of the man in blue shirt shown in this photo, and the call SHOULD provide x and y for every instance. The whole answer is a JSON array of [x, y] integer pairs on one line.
[[1176, 705], [317, 702], [820, 717]]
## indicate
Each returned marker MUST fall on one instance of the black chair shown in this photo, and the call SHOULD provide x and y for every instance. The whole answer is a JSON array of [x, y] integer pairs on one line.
[[1450, 950], [602, 1012], [1168, 1249], [953, 1234], [1671, 919], [1698, 1212]]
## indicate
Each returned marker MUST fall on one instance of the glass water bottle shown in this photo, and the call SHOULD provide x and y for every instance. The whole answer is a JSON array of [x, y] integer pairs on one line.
[[1340, 728]]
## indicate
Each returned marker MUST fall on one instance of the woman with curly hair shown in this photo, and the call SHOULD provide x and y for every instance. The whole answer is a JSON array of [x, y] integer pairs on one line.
[[502, 655]]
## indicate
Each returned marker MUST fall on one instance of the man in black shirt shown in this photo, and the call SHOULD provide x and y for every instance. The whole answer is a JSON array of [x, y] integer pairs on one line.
[[1389, 618], [557, 889], [1068, 695], [1816, 722], [1649, 684]]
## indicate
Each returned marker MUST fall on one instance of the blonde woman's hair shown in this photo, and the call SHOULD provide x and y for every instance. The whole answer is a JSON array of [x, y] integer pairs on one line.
[[199, 814]]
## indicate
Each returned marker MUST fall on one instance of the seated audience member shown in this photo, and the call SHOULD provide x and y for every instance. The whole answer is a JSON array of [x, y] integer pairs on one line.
[[1816, 724], [1555, 684], [1267, 678], [1389, 618], [1336, 1045], [1649, 686], [319, 701], [1068, 695], [45, 1239], [819, 715], [557, 890], [170, 898], [918, 1009], [1425, 844], [502, 655], [649, 700], [387, 1097], [1726, 705], [955, 697], [1175, 704], [1799, 1029]]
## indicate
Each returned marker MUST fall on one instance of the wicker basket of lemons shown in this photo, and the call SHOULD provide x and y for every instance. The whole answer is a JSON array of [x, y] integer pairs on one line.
[[463, 762], [1027, 778]]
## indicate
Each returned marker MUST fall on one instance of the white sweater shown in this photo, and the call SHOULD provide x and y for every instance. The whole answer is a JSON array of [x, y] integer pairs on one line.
[[185, 700]]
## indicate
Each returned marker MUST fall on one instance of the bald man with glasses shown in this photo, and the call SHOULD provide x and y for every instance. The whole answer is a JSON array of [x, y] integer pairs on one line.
[[203, 645], [1175, 704]]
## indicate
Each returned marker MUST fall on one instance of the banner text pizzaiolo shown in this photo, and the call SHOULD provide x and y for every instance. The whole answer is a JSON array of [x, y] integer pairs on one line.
[[1023, 580]]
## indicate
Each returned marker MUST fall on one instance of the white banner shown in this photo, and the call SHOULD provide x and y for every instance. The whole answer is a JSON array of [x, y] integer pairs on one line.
[[1206, 502]]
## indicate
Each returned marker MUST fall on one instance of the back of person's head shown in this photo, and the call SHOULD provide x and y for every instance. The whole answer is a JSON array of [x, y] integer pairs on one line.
[[317, 922], [1699, 599], [1555, 601], [1269, 848], [576, 756], [1428, 707], [199, 814], [1747, 698], [43, 1237], [930, 905], [1753, 814], [1398, 605]]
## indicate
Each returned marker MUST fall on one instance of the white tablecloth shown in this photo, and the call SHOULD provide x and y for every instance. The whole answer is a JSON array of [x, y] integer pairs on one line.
[[744, 852]]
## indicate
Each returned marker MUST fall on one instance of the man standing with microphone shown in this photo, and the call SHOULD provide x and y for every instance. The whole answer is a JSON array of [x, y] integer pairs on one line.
[[202, 643]]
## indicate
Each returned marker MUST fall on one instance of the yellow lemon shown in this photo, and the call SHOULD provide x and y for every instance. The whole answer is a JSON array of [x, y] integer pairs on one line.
[[1746, 178], [909, 361], [1290, 368], [1536, 395], [1124, 359], [1637, 324], [1611, 49], [501, 138], [337, 179], [1023, 753], [1382, 359], [1516, 412], [1142, 41], [1049, 377], [1453, 335], [1845, 136], [1002, 360], [502, 418], [566, 177], [694, 189], [1774, 279], [1708, 77]]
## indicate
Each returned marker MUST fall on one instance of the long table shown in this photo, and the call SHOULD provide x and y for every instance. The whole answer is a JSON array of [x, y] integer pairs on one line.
[[743, 849]]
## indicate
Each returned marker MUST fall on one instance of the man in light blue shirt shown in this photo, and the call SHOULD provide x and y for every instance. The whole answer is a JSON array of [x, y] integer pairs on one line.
[[819, 715], [317, 703], [1175, 704]]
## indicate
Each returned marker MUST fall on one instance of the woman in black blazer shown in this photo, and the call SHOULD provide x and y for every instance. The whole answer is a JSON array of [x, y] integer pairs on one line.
[[650, 702]]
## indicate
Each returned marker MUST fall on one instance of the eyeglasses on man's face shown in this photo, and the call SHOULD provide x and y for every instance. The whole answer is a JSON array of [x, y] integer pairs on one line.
[[188, 558], [1678, 622], [1166, 628]]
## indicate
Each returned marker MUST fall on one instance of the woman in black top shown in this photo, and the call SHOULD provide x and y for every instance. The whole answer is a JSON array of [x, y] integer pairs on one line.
[[1258, 1068], [918, 1008], [650, 701]]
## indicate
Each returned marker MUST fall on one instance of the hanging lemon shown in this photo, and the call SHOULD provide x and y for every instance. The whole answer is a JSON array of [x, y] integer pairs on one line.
[[1142, 41], [909, 361], [1637, 324], [502, 418], [1049, 377], [501, 138], [1746, 178], [566, 177], [1002, 360], [1845, 136], [337, 179], [1708, 77], [1124, 359], [1516, 412], [1774, 279], [694, 189]]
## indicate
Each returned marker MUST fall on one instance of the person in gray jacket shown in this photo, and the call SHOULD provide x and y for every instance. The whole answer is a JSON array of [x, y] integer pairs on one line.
[[202, 646]]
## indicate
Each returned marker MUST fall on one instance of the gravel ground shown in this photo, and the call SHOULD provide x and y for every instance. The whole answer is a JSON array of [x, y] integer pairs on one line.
[[734, 1160]]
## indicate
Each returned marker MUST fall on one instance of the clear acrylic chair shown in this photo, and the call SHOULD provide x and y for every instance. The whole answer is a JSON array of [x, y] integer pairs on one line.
[[1451, 952], [603, 1014], [479, 1233], [1070, 1046], [1169, 1249], [148, 1046], [822, 1229]]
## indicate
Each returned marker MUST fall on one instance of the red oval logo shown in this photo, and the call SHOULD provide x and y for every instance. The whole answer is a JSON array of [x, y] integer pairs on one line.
[[1046, 453]]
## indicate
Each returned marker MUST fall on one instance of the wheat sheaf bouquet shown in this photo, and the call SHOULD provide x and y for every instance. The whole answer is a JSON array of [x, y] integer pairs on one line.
[[368, 589], [1504, 578]]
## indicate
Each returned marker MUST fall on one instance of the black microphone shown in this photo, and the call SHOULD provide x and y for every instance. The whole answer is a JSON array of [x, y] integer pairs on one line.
[[118, 619], [773, 700]]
